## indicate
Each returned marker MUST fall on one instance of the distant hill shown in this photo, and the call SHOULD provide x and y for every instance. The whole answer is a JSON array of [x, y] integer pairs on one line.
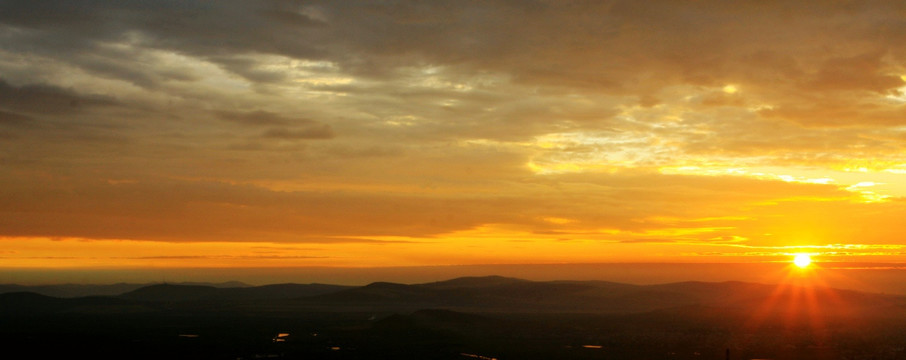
[[29, 303], [170, 292], [160, 297], [492, 294], [464, 318], [177, 293], [72, 290], [498, 294], [474, 282], [79, 290], [20, 304]]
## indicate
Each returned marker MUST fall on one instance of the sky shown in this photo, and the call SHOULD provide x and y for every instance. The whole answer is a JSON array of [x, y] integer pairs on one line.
[[277, 134]]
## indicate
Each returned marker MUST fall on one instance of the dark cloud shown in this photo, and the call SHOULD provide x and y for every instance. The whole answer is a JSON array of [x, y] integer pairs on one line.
[[861, 72], [255, 118], [310, 132], [248, 69], [614, 46], [47, 99], [290, 128], [14, 119], [83, 34]]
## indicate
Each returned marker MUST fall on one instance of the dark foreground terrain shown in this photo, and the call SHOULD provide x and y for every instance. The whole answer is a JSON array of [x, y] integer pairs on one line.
[[466, 318]]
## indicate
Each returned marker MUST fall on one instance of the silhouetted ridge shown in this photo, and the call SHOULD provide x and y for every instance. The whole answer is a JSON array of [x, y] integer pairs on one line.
[[495, 292], [485, 294], [171, 292], [168, 292], [222, 285], [82, 290], [464, 318], [384, 292], [482, 281], [500, 294], [18, 303], [28, 303], [280, 291]]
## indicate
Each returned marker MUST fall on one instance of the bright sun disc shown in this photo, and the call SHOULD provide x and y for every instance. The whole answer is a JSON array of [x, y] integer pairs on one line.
[[802, 260]]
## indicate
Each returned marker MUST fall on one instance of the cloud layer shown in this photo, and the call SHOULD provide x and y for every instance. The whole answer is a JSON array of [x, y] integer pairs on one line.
[[684, 128]]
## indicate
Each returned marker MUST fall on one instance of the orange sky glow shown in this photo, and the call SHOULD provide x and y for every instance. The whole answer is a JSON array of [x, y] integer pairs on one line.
[[280, 134]]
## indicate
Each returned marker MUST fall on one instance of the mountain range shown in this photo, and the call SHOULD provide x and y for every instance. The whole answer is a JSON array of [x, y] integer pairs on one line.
[[466, 318], [493, 294], [79, 290]]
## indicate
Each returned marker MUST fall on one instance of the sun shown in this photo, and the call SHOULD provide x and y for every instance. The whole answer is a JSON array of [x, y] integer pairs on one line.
[[802, 260]]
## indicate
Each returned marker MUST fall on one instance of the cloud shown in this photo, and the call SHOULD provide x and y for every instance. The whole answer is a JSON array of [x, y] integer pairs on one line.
[[257, 117], [859, 72], [311, 132], [196, 120], [608, 47], [47, 99], [224, 257], [14, 119], [302, 128], [213, 211]]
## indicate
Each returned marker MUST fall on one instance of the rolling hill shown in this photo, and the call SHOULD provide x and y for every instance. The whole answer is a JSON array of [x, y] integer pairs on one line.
[[492, 294], [475, 317]]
